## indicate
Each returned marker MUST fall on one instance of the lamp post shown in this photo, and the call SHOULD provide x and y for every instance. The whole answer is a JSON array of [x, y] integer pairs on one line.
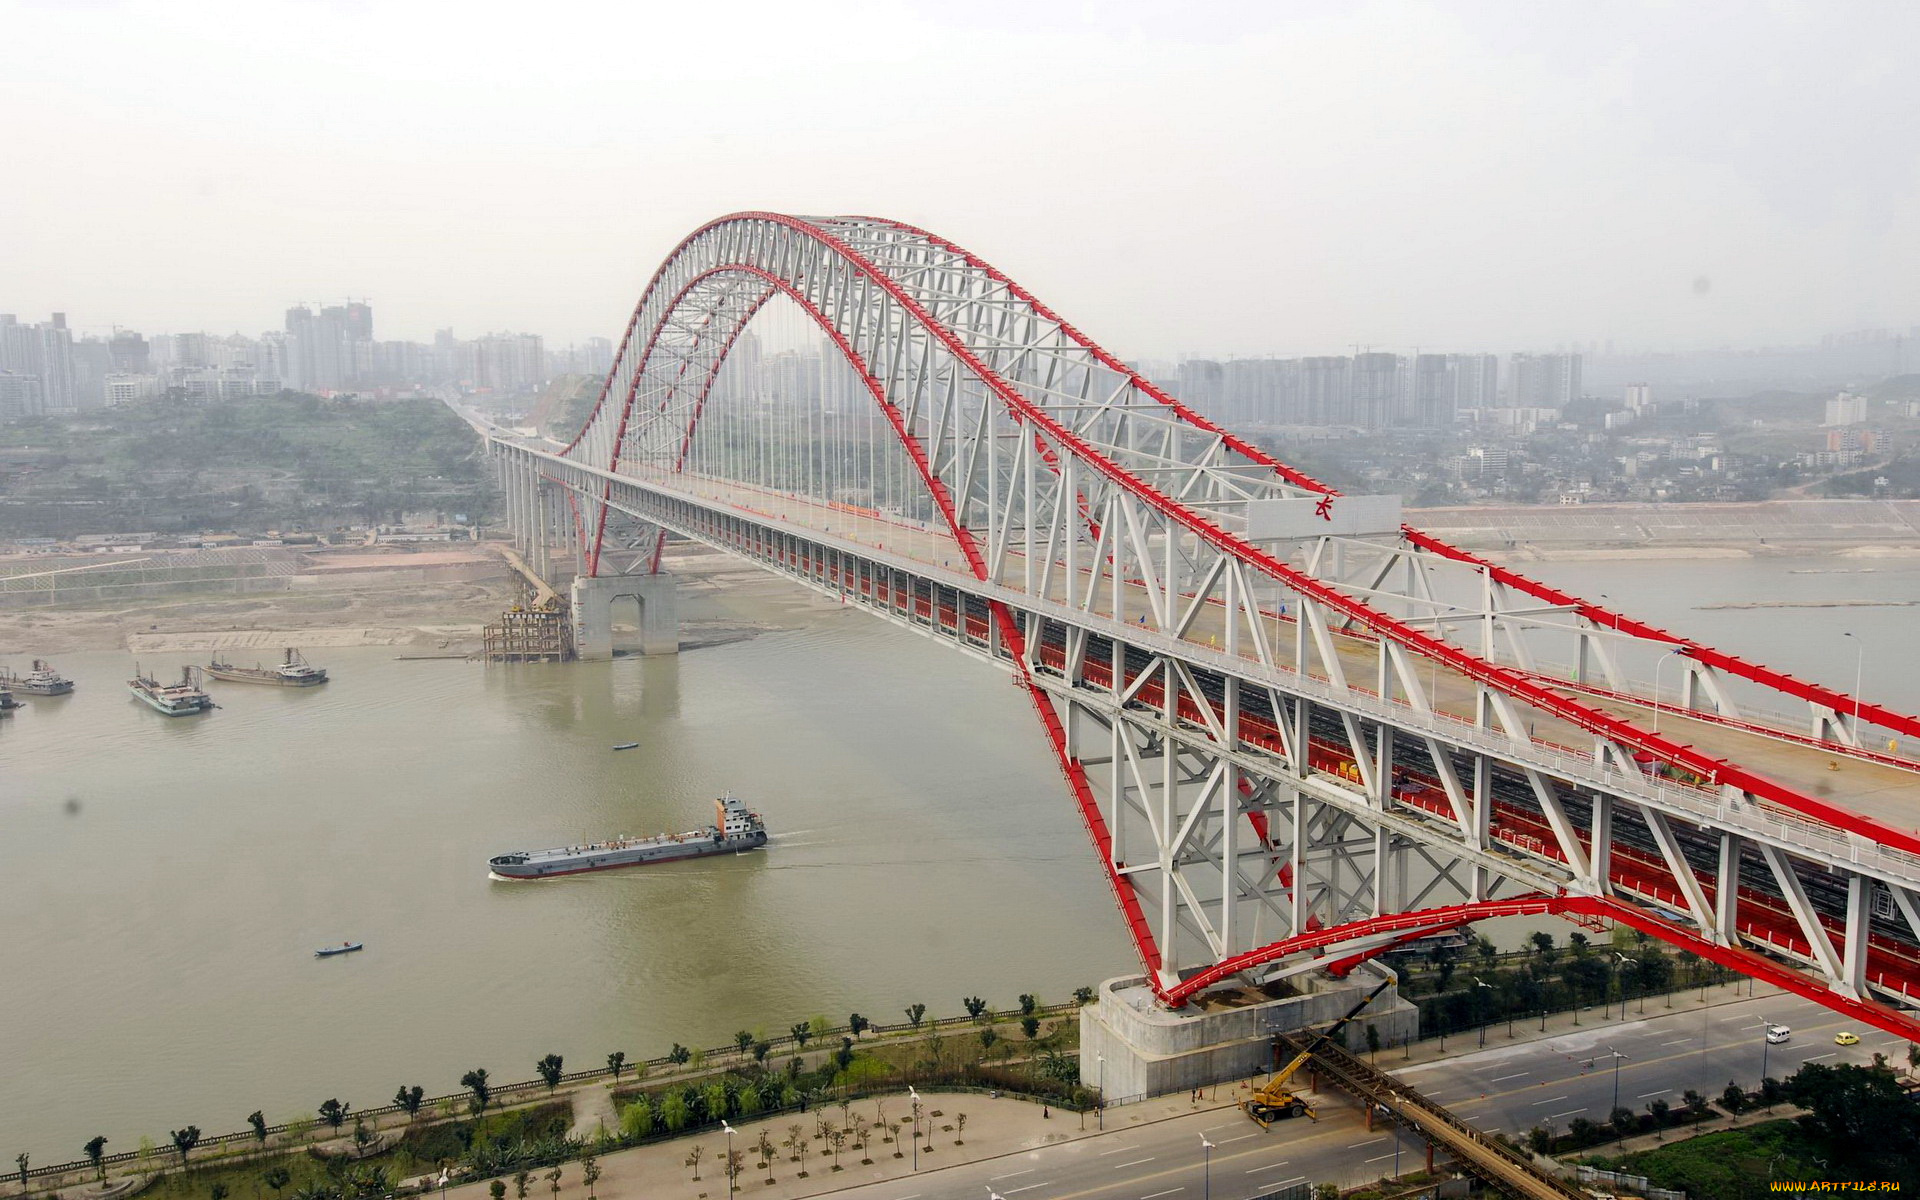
[[1479, 983], [1103, 1092], [1616, 1056], [729, 1164], [1656, 683], [915, 1097], [1614, 977], [1766, 1032], [1206, 1168]]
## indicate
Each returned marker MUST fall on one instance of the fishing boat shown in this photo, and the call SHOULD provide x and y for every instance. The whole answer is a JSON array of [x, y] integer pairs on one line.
[[43, 680], [293, 671], [627, 746], [342, 948], [171, 699]]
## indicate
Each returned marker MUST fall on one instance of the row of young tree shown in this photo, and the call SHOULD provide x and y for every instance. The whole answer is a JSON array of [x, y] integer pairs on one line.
[[334, 1113]]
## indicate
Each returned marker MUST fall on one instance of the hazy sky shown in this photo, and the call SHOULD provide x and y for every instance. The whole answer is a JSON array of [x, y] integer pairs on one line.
[[1172, 177]]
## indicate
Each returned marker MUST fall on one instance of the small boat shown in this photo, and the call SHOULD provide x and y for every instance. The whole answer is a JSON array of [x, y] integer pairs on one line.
[[173, 699], [293, 671], [43, 680], [627, 746], [8, 703], [342, 948]]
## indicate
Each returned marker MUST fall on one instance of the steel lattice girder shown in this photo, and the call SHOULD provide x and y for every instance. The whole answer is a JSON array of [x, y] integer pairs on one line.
[[1079, 495]]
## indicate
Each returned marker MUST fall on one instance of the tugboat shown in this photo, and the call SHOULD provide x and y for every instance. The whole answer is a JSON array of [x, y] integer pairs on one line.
[[293, 671], [171, 699], [43, 680], [8, 703], [737, 828]]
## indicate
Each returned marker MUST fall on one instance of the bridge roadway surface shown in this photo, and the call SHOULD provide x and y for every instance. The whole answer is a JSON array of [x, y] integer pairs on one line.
[[1885, 792]]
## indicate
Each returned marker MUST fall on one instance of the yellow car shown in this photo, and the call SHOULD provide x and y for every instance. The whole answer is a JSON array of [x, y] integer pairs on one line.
[[1846, 1038]]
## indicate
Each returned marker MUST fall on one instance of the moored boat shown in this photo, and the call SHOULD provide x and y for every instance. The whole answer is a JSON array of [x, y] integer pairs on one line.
[[342, 948], [171, 699], [293, 671], [736, 828], [43, 680], [8, 703]]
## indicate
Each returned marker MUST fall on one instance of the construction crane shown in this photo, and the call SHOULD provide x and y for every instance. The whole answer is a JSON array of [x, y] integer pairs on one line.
[[1273, 1102]]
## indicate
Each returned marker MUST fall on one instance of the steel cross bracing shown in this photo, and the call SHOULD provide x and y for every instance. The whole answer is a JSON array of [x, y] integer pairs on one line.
[[1283, 750]]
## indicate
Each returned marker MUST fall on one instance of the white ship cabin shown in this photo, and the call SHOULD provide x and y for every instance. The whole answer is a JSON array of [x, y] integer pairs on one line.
[[733, 818]]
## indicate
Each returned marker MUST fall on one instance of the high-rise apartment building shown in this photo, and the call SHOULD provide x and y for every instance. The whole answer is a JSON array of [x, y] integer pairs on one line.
[[44, 351], [1476, 381], [1543, 380], [329, 349]]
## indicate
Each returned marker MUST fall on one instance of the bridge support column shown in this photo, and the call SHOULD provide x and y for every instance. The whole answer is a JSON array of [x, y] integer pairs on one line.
[[593, 608], [1151, 1050]]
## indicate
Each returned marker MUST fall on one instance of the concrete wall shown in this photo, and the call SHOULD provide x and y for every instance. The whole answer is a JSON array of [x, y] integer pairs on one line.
[[1151, 1050], [593, 599]]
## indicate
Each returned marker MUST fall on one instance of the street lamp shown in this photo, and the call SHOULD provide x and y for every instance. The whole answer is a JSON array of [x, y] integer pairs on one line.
[[1206, 1168], [915, 1097], [1479, 983], [1613, 977], [1617, 1057], [1103, 1091], [729, 1165], [1656, 683], [1766, 1031]]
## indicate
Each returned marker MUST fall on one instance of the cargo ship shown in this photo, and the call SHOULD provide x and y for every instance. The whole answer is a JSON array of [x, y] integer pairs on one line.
[[172, 699], [293, 671], [737, 828], [43, 680]]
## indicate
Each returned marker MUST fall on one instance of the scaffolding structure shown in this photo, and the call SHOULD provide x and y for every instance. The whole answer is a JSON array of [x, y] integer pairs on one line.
[[539, 631]]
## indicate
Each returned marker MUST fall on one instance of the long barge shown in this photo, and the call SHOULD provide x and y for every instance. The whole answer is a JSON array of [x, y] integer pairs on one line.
[[43, 680], [293, 671], [736, 829], [171, 699]]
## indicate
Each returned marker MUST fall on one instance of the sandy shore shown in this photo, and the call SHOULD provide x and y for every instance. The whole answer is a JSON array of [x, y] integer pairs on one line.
[[722, 600]]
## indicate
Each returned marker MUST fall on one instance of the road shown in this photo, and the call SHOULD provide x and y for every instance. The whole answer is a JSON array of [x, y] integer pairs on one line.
[[1508, 1087]]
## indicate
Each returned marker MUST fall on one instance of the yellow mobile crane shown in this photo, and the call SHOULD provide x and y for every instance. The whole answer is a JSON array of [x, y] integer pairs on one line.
[[1273, 1102]]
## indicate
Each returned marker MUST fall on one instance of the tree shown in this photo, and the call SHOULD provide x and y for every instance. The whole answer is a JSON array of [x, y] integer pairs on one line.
[[844, 1056], [836, 1138], [679, 1055], [959, 1127], [1442, 958], [20, 1160], [184, 1140], [1624, 1121], [1733, 1099], [760, 1050], [589, 1173], [1083, 995], [819, 1028], [1029, 1004], [96, 1153], [858, 1024], [914, 1013], [1539, 1140], [800, 1032], [1583, 1132], [862, 1130], [1661, 1112], [277, 1178], [744, 1040], [715, 1095], [334, 1113], [258, 1120], [410, 1099], [521, 1179], [1030, 1026], [974, 1006], [764, 1144], [218, 1191], [1542, 945], [1696, 1103], [1854, 1106], [637, 1119], [796, 1143], [694, 1156], [735, 1161], [475, 1081], [551, 1068], [1373, 1041], [988, 1037], [616, 1063], [497, 1189], [673, 1111], [553, 1180]]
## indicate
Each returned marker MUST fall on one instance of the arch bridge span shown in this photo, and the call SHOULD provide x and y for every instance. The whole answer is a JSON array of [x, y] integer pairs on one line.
[[1298, 732]]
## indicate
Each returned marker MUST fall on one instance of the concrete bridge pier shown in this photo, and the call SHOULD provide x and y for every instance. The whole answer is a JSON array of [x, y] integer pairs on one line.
[[594, 598]]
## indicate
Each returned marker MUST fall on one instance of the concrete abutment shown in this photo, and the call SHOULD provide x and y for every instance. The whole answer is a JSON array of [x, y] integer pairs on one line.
[[593, 599]]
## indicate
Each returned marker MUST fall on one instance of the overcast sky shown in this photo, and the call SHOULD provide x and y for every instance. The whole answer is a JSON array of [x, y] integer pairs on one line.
[[1215, 178]]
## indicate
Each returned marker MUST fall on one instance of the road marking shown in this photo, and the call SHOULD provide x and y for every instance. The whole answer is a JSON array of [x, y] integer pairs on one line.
[[1818, 1057], [1568, 1113], [1295, 1179], [1168, 1192], [1011, 1174], [1504, 1078], [1677, 1042], [1117, 1150], [1269, 1167], [1551, 1100], [1243, 1137], [1136, 1162], [1368, 1142], [1029, 1187], [1645, 1095], [1382, 1158]]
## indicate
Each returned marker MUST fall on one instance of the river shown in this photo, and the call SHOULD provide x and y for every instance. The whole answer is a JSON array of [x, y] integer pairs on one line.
[[163, 883]]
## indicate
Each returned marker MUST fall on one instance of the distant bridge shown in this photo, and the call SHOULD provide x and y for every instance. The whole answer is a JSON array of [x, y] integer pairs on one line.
[[1298, 731]]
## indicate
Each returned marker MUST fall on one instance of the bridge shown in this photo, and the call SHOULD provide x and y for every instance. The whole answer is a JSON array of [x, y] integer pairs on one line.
[[1299, 732]]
